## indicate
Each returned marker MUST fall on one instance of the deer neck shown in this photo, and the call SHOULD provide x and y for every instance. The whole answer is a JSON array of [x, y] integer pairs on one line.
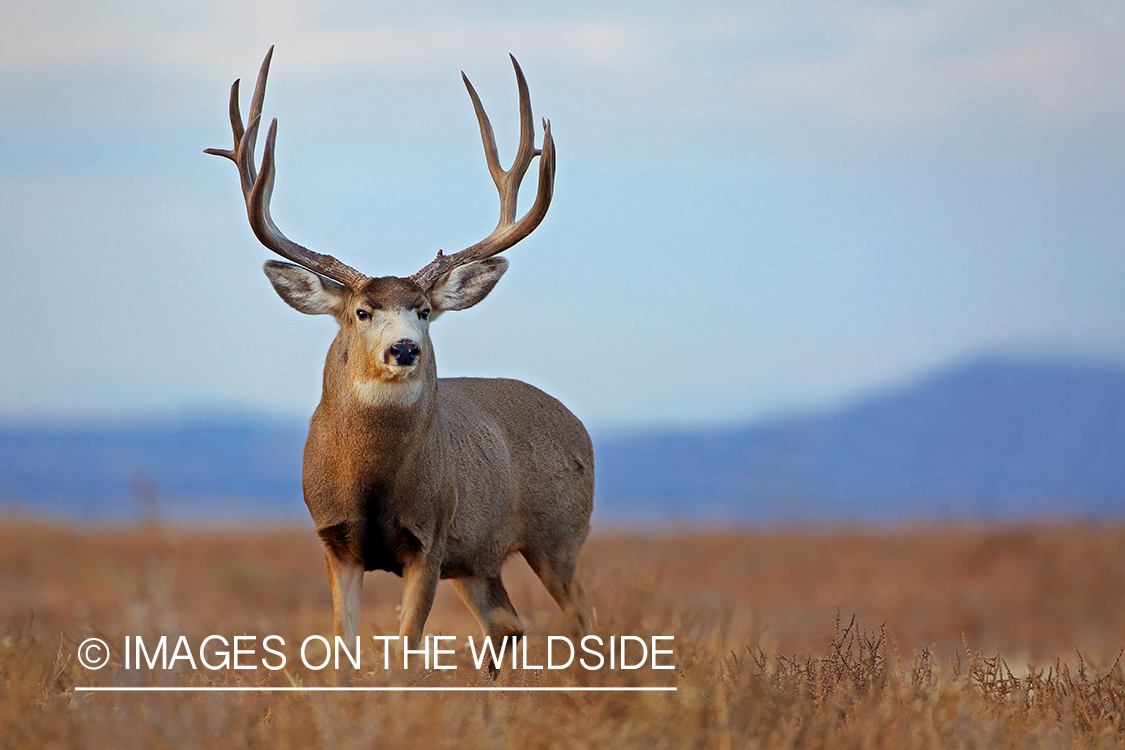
[[391, 411]]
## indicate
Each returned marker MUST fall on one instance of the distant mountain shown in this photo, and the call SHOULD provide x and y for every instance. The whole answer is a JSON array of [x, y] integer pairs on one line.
[[192, 468], [991, 439]]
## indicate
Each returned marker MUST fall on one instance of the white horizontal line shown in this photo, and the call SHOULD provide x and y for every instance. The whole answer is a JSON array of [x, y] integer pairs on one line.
[[408, 689]]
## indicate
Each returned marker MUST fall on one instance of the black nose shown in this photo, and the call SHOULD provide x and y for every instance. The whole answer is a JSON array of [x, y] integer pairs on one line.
[[404, 352]]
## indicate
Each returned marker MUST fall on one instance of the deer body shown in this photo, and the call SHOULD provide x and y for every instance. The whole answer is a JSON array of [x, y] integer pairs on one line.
[[461, 475], [424, 477]]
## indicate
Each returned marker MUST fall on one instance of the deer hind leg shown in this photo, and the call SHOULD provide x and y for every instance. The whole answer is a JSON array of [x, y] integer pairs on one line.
[[557, 574], [345, 574], [488, 600]]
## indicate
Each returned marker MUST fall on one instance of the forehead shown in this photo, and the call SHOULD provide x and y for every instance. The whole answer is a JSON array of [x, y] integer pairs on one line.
[[391, 291]]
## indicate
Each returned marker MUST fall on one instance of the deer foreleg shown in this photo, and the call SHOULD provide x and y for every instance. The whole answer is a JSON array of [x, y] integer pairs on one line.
[[420, 576], [345, 574]]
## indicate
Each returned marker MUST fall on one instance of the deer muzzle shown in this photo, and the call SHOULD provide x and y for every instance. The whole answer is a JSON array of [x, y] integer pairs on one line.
[[403, 353]]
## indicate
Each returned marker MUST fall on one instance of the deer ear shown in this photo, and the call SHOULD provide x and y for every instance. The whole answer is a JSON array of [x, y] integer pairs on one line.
[[304, 290], [464, 286]]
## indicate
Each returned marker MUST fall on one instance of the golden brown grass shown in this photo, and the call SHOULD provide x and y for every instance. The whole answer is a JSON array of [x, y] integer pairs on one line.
[[764, 659]]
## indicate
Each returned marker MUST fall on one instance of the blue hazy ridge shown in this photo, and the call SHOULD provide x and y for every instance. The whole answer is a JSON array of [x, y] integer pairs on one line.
[[234, 466], [995, 438], [991, 439]]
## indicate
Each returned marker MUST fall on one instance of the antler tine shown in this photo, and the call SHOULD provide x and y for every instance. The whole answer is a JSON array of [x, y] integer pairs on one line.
[[235, 125], [257, 186], [526, 151], [491, 156], [259, 97], [508, 231]]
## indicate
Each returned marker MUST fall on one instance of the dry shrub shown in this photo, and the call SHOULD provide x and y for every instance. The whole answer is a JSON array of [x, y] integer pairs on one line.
[[859, 693]]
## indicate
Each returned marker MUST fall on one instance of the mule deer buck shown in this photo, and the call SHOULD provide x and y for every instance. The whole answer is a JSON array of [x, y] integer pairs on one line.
[[424, 477]]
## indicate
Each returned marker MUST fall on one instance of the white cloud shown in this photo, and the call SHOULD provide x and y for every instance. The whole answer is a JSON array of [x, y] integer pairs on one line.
[[895, 64], [875, 61], [43, 38]]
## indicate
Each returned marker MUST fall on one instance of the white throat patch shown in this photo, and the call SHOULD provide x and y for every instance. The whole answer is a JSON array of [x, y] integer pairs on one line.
[[378, 392]]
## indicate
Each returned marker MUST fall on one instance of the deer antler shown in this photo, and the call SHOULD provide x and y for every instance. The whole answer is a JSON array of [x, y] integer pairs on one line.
[[508, 231], [257, 187]]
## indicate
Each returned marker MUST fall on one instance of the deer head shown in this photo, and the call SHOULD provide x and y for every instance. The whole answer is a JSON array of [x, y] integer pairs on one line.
[[386, 319]]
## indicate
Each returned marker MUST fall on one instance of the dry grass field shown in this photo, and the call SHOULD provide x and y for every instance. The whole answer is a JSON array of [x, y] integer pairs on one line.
[[962, 637]]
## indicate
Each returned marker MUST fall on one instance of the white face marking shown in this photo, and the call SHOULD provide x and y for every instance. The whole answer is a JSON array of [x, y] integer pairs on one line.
[[387, 327], [380, 392]]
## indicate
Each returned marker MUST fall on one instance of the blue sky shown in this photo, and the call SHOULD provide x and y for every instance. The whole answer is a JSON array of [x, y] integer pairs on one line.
[[757, 208]]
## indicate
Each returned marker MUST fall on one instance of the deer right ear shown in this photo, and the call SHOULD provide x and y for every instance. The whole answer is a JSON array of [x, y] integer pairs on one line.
[[304, 290]]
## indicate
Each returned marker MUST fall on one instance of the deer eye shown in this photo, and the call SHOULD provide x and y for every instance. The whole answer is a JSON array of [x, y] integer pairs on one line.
[[362, 314], [424, 314]]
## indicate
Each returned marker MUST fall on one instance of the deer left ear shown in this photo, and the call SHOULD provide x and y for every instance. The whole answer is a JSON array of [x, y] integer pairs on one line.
[[462, 287]]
